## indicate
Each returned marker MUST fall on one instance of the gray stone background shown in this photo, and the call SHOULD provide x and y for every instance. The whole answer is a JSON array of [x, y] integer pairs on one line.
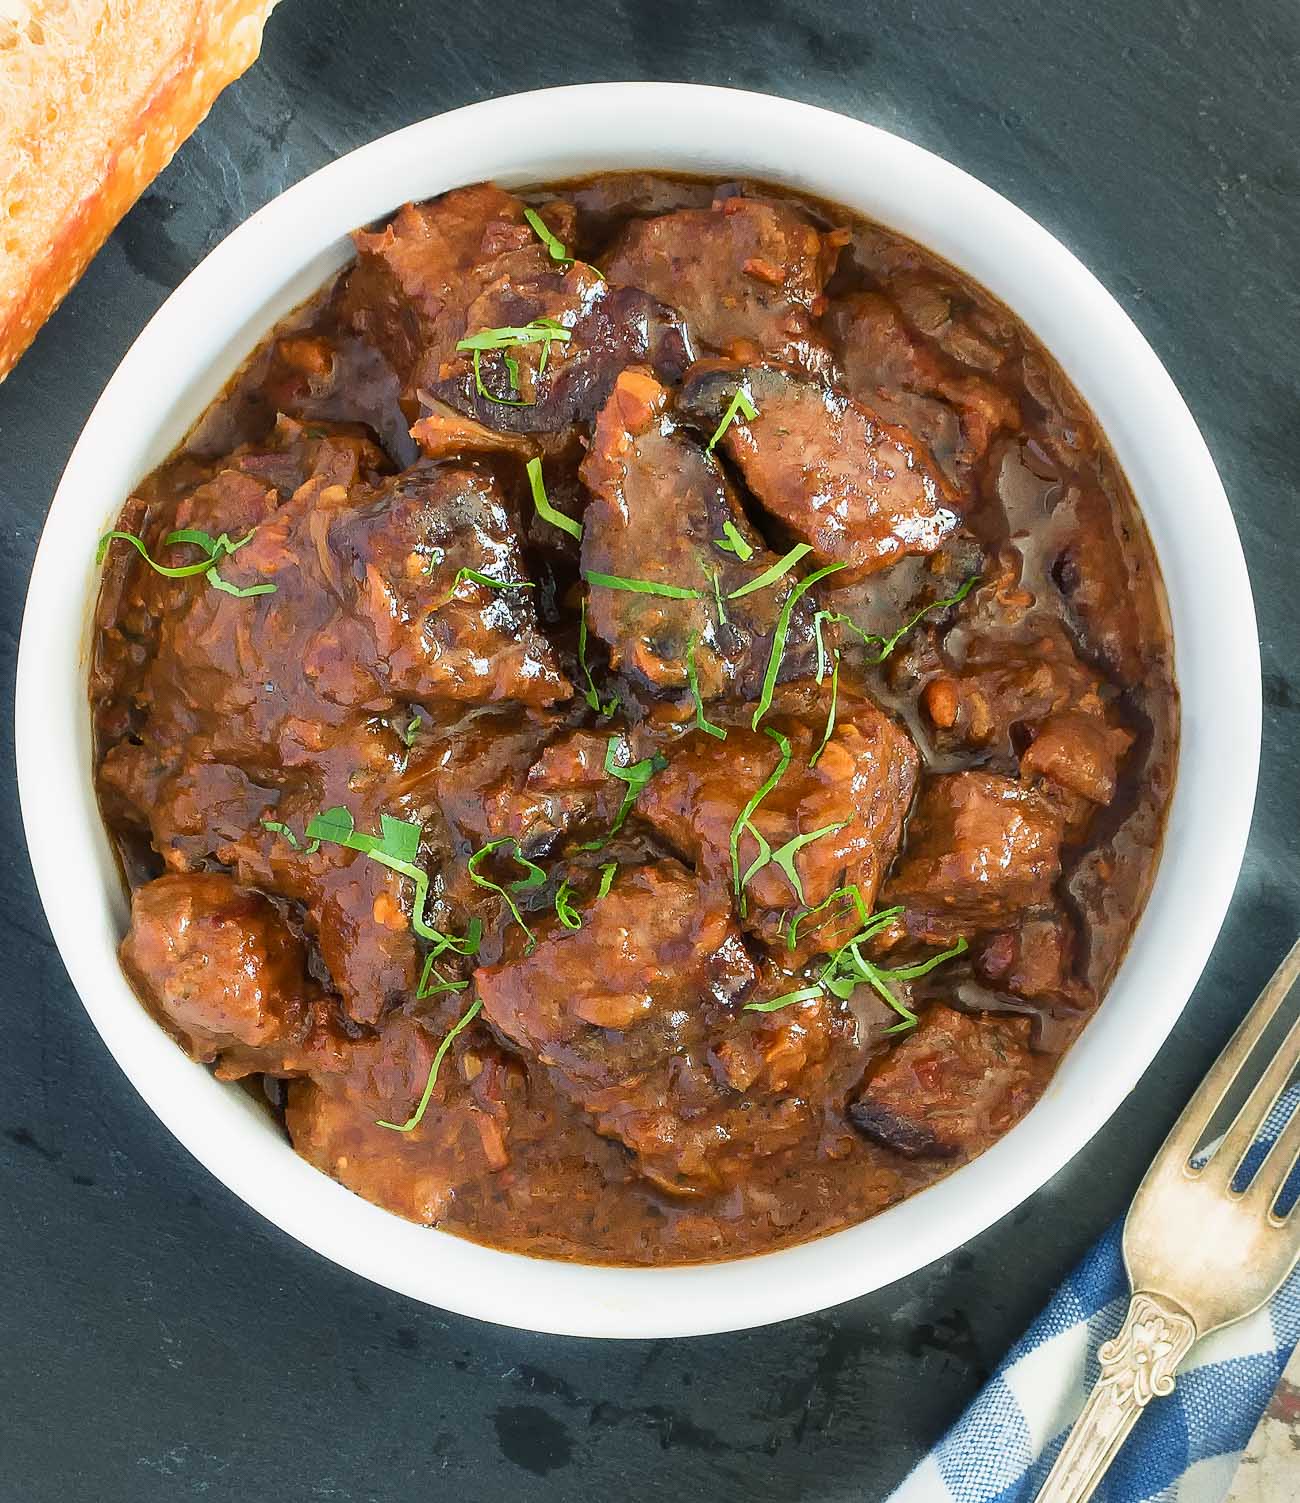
[[157, 1340]]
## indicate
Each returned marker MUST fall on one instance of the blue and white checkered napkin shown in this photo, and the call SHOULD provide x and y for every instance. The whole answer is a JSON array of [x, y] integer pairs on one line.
[[1185, 1448]]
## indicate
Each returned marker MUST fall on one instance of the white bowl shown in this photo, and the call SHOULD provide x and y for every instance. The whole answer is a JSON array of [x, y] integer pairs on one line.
[[198, 339]]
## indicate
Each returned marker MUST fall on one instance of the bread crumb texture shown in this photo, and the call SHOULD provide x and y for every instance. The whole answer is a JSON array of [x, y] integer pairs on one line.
[[95, 97]]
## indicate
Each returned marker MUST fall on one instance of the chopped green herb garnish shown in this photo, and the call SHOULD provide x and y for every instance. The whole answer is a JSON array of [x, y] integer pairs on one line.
[[606, 879], [716, 577], [413, 1121], [277, 828], [480, 578], [830, 714], [878, 653], [787, 999], [534, 878], [541, 501], [741, 403], [848, 968], [226, 588], [636, 777], [567, 914], [744, 818], [783, 857], [771, 575], [542, 331], [854, 894], [642, 586], [732, 542], [555, 246], [589, 693], [396, 848], [214, 548], [693, 679], [412, 729], [781, 633], [440, 983]]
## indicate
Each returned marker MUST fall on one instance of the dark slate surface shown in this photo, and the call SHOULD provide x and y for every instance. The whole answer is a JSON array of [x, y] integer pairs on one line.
[[158, 1341]]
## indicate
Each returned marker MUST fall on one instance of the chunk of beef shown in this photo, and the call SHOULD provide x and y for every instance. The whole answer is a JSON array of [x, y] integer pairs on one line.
[[504, 774], [1102, 581], [1034, 960], [860, 491], [417, 276], [954, 411], [549, 386], [467, 262], [949, 1089], [858, 794], [980, 848], [748, 274], [369, 612], [620, 1009], [1034, 700], [465, 1131], [660, 507], [219, 968]]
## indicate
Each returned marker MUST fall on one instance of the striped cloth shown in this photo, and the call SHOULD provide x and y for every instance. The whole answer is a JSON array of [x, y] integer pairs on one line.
[[1184, 1449]]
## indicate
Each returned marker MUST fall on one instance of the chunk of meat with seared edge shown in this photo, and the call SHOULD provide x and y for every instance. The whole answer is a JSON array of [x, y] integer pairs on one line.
[[955, 411], [370, 610], [469, 262], [218, 966], [465, 1131], [951, 1088], [748, 275], [1034, 701], [660, 505], [980, 849], [859, 491], [620, 1011], [856, 795]]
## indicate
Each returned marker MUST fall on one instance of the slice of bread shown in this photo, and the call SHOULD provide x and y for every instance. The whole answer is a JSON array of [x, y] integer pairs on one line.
[[95, 97]]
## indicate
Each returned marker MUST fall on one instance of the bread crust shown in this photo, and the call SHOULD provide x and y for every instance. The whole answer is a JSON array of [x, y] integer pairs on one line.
[[175, 55]]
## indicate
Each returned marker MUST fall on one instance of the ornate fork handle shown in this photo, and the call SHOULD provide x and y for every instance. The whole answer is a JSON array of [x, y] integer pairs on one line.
[[1136, 1366]]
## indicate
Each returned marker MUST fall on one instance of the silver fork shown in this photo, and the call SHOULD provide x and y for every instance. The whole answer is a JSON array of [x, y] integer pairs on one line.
[[1199, 1253]]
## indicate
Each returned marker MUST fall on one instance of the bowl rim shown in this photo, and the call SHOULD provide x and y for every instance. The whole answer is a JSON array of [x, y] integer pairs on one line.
[[277, 257]]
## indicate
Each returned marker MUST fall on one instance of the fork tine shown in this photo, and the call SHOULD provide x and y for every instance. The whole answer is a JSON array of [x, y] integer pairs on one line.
[[1201, 1108], [1274, 1171], [1245, 1127]]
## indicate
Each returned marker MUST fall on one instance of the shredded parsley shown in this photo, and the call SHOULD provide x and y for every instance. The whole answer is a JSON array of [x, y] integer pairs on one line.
[[717, 595], [556, 247], [567, 914], [852, 892], [396, 847], [606, 879], [770, 575], [277, 828], [848, 968], [534, 877], [589, 693], [642, 586], [732, 542], [693, 679], [541, 501], [543, 331], [879, 647], [479, 578], [830, 714], [214, 548], [781, 633], [741, 403], [744, 818], [414, 1120], [412, 729], [783, 857], [636, 777], [440, 983]]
